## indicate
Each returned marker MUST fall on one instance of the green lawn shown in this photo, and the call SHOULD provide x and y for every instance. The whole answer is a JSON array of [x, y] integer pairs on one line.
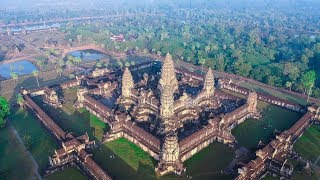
[[42, 142], [308, 145], [208, 163], [13, 155], [269, 177], [299, 171], [69, 173], [133, 155], [130, 161], [250, 132], [76, 121]]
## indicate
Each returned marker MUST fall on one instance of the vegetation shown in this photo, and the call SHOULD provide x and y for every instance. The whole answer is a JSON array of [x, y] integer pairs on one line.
[[207, 164], [13, 155], [124, 160], [274, 118], [67, 173], [308, 144], [35, 137], [4, 110], [223, 40], [130, 153]]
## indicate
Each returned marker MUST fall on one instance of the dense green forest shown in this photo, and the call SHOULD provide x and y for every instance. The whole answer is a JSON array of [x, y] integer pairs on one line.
[[275, 47], [275, 42]]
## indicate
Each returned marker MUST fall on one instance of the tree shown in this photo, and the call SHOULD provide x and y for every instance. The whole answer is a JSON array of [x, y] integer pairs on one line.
[[289, 85], [241, 68], [40, 64], [220, 63], [20, 100], [14, 76], [36, 74], [72, 76], [127, 64], [308, 80], [59, 70], [202, 61], [79, 38], [27, 141], [98, 65], [4, 110]]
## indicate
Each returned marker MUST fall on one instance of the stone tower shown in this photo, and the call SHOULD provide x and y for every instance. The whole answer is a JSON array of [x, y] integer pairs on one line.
[[168, 75], [252, 101], [208, 85], [167, 100], [127, 83], [170, 161]]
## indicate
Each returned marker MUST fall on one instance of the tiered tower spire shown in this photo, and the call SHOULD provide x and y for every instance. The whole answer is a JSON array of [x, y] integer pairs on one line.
[[209, 83], [168, 75], [127, 83]]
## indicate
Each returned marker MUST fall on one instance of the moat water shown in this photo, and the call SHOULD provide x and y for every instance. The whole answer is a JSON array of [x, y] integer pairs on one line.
[[88, 55], [23, 67]]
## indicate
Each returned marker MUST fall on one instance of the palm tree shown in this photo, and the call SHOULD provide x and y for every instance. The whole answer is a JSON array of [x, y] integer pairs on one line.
[[99, 65], [59, 71], [202, 61], [289, 85], [40, 64], [14, 76], [20, 100], [35, 74]]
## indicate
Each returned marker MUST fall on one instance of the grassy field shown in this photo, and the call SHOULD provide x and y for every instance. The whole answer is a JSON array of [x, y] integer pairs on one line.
[[130, 153], [129, 162], [208, 163], [299, 171], [69, 173], [13, 155], [42, 143], [76, 121], [308, 145], [249, 133]]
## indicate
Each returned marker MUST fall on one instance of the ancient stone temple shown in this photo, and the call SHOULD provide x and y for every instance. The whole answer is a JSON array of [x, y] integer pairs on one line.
[[155, 118]]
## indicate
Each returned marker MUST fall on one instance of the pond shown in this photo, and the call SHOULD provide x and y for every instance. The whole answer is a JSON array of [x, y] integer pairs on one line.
[[21, 67], [88, 55]]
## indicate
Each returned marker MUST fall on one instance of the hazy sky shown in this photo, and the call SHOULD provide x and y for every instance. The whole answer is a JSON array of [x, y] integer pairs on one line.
[[109, 4]]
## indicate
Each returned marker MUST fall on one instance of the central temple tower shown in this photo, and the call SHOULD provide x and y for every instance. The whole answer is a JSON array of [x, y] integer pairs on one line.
[[168, 84], [168, 75]]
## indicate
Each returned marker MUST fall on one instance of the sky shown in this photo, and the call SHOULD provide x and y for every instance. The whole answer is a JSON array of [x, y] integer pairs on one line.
[[109, 4]]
